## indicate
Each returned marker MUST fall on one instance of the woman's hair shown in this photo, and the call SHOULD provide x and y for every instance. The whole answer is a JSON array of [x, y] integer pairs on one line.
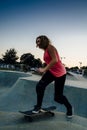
[[44, 41]]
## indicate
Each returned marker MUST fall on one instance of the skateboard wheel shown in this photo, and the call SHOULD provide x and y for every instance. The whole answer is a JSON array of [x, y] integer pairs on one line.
[[52, 114]]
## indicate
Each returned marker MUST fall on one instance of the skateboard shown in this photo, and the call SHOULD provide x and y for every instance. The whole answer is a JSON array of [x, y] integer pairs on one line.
[[43, 112]]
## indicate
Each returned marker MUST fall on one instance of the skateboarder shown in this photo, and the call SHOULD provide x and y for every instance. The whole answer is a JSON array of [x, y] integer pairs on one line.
[[53, 71]]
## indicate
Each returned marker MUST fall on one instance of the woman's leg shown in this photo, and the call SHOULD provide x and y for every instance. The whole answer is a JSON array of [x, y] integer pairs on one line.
[[59, 97], [42, 84]]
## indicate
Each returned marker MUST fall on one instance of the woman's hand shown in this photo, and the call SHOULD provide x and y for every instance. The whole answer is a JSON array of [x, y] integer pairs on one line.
[[41, 70]]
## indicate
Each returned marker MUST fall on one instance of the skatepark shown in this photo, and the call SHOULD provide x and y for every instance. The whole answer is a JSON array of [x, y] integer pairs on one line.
[[17, 92]]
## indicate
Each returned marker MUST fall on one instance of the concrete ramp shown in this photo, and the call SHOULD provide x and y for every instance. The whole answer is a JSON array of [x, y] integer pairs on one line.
[[21, 95], [8, 78], [15, 121], [74, 76]]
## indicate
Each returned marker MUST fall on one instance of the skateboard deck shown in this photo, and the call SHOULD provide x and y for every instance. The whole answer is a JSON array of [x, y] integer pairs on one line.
[[43, 112]]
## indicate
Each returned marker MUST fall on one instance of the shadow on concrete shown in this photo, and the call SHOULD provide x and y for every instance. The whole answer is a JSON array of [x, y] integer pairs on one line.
[[14, 120]]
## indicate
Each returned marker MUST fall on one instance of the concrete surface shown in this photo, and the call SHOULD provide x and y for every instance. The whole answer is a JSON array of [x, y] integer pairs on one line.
[[16, 121], [17, 92]]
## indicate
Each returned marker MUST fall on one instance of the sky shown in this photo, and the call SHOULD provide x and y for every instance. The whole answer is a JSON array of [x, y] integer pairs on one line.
[[63, 21]]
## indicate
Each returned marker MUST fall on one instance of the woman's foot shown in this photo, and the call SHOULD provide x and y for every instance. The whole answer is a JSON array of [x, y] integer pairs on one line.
[[69, 113], [36, 109]]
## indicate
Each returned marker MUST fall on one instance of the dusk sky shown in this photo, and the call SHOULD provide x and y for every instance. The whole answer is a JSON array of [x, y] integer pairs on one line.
[[63, 21]]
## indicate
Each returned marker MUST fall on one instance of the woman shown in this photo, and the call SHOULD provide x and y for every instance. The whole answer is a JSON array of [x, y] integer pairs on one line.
[[53, 71]]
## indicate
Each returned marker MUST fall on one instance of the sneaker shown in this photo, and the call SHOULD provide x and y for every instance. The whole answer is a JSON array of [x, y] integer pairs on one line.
[[69, 113], [36, 109]]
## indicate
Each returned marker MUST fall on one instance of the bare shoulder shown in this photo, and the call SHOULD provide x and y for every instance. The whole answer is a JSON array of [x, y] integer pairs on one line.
[[51, 48]]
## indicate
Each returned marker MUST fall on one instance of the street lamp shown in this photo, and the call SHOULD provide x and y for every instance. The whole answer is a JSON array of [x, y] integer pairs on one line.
[[80, 64], [62, 59]]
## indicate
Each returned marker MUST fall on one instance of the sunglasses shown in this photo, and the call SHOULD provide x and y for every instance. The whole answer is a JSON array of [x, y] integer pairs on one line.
[[38, 41]]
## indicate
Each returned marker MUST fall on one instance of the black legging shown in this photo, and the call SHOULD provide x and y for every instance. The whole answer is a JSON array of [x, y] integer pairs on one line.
[[46, 79]]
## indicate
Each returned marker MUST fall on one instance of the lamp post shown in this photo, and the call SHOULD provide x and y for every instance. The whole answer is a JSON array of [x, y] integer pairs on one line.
[[62, 59], [80, 64]]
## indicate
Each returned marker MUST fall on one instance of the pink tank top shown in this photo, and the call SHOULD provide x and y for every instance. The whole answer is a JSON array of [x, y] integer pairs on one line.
[[57, 69]]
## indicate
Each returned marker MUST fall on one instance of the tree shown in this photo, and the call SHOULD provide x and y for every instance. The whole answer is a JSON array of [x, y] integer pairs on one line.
[[37, 63], [27, 59], [10, 57], [1, 61]]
